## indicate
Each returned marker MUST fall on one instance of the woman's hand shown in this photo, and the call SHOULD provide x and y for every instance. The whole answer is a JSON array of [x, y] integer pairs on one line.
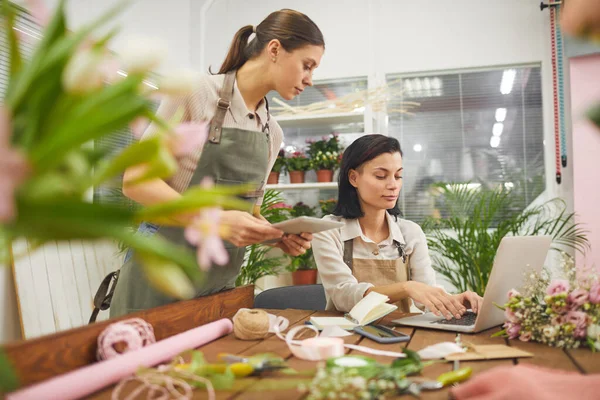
[[295, 245], [435, 299], [243, 229], [470, 300]]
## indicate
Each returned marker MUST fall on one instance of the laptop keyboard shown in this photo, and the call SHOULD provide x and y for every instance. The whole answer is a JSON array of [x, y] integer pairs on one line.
[[467, 319]]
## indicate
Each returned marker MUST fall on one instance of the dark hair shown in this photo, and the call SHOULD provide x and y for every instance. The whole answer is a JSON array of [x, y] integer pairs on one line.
[[362, 150], [292, 28]]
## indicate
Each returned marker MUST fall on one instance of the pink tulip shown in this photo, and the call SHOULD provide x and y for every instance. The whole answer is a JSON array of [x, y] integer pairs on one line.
[[14, 169], [594, 295], [512, 330], [189, 137], [39, 11], [512, 293], [558, 286], [203, 233], [510, 316]]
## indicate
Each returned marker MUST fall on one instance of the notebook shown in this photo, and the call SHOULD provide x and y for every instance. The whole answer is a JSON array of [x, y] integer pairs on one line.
[[372, 307]]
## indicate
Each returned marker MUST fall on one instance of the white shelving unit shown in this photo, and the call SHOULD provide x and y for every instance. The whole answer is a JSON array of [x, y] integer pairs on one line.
[[296, 121], [303, 186]]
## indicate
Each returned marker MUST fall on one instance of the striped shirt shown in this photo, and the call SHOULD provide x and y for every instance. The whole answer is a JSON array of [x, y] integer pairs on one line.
[[201, 106]]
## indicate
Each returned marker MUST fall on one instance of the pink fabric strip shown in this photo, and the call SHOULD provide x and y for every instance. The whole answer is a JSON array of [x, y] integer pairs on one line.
[[87, 380]]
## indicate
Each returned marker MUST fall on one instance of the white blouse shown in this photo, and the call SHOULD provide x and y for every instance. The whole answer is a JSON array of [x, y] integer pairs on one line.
[[342, 290]]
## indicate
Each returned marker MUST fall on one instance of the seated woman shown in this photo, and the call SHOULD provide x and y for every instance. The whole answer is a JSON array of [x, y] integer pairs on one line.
[[376, 250]]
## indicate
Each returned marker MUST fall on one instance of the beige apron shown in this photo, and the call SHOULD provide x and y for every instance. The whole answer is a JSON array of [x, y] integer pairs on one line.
[[380, 272]]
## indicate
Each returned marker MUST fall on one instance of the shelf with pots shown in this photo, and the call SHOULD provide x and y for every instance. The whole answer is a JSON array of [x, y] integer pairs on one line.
[[322, 156]]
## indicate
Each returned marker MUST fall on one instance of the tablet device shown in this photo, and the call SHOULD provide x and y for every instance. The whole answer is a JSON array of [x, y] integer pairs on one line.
[[307, 224]]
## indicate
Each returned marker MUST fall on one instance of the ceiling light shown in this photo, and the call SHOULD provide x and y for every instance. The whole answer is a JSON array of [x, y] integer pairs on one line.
[[500, 114], [498, 128], [495, 141], [417, 147], [508, 79]]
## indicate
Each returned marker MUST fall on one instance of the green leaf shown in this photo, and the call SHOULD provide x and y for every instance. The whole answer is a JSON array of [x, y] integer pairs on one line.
[[54, 49], [157, 245], [16, 63], [193, 202], [135, 154], [8, 377], [594, 115]]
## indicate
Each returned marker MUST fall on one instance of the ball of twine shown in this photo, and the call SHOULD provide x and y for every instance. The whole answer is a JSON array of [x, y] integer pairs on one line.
[[251, 324], [124, 336]]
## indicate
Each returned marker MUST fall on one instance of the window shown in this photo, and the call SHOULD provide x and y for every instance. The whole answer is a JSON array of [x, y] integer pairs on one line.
[[474, 127], [29, 32], [298, 131]]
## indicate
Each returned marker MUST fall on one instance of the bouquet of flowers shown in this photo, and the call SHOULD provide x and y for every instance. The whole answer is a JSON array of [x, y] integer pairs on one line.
[[559, 312], [297, 162]]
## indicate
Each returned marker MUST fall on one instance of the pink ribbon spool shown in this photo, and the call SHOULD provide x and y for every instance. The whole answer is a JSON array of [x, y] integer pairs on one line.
[[134, 333], [313, 349]]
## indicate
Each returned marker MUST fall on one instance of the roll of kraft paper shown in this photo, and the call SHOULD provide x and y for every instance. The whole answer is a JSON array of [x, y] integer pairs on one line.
[[87, 380]]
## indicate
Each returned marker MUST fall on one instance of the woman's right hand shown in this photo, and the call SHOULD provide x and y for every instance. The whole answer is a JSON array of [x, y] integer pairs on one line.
[[243, 229], [435, 299]]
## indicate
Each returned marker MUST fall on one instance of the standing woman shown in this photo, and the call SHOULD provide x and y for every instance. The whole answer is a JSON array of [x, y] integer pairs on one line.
[[243, 143], [376, 250]]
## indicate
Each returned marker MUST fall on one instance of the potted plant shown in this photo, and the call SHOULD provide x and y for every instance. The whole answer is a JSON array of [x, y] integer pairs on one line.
[[297, 164], [303, 267], [463, 245], [327, 206], [325, 156], [276, 170], [258, 262]]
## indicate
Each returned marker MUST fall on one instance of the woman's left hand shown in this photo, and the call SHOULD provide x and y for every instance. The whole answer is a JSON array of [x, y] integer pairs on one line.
[[295, 245], [470, 300]]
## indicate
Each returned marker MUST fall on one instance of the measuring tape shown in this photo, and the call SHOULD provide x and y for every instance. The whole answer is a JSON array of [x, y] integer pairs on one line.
[[560, 134]]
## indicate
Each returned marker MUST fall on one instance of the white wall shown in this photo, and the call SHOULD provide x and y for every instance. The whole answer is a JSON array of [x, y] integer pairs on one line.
[[170, 21], [373, 38]]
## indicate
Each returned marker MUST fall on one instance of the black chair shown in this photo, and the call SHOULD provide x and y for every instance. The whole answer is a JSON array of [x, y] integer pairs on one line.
[[300, 297]]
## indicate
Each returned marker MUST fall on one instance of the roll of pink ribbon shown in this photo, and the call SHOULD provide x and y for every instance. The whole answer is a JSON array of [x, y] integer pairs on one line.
[[133, 334], [313, 349], [87, 380]]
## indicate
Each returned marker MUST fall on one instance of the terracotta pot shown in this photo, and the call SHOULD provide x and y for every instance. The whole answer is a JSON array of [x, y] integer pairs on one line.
[[273, 178], [296, 176], [304, 277], [325, 175]]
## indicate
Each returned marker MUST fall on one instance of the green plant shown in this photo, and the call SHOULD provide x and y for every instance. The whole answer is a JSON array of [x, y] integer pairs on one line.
[[327, 206], [328, 160], [465, 243], [325, 153], [330, 143], [297, 162], [279, 162], [305, 261], [257, 263]]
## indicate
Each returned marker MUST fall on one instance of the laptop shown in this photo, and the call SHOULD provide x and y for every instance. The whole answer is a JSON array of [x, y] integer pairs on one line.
[[515, 255]]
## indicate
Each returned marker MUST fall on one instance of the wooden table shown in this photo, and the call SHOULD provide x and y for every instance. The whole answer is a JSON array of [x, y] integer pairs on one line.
[[583, 360], [45, 357]]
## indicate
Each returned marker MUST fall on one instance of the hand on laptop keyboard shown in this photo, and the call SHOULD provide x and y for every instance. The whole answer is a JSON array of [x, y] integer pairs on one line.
[[467, 319]]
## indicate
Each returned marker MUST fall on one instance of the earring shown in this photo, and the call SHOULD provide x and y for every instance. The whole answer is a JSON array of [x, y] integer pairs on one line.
[[274, 59]]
